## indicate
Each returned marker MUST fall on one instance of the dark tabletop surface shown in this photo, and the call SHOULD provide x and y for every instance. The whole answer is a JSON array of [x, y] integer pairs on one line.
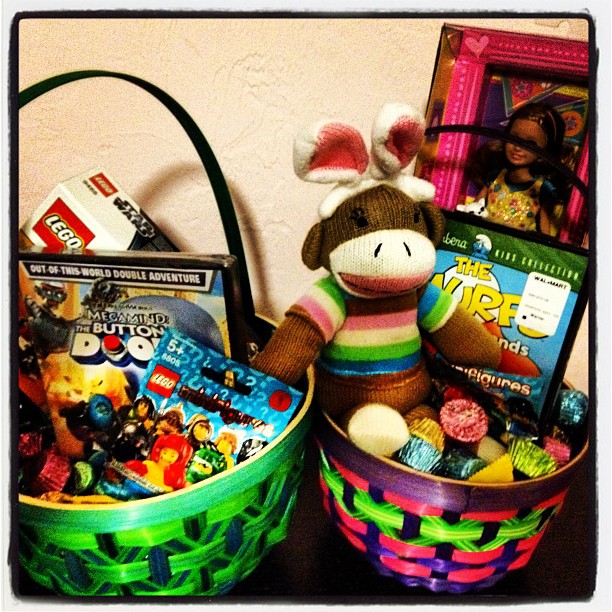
[[315, 565]]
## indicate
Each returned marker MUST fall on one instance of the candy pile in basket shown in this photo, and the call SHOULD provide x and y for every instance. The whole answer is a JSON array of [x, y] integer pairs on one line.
[[197, 414], [466, 432]]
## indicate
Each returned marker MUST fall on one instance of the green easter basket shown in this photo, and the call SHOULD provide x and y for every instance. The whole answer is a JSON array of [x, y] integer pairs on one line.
[[197, 541], [201, 540]]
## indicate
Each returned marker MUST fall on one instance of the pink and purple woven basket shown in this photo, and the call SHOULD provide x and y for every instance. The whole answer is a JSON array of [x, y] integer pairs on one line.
[[433, 532]]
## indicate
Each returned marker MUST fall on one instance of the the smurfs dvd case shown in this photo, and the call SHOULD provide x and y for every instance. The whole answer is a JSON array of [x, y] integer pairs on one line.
[[528, 290]]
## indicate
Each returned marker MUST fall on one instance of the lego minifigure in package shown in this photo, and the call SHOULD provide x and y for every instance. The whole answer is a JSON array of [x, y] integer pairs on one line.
[[226, 410]]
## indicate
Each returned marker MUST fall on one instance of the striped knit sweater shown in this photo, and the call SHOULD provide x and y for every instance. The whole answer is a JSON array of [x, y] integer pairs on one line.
[[372, 336]]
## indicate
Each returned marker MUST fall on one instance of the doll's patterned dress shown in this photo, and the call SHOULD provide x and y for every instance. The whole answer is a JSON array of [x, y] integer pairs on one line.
[[515, 205]]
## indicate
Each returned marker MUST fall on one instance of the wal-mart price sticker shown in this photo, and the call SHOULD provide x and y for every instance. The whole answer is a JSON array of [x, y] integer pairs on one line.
[[542, 304]]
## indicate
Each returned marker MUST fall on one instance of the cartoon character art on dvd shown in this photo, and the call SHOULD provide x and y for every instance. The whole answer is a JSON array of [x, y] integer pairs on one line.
[[527, 292], [95, 324], [227, 411]]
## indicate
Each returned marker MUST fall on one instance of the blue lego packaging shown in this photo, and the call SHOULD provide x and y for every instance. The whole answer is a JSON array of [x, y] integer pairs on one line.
[[192, 385]]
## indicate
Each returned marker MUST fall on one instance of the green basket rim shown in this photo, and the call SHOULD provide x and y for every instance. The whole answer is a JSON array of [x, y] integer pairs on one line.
[[103, 518]]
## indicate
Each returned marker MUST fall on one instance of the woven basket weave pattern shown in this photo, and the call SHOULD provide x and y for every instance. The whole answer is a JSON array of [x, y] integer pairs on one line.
[[204, 554], [423, 545]]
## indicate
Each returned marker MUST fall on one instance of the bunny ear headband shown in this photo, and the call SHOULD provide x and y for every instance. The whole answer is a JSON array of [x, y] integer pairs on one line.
[[332, 152]]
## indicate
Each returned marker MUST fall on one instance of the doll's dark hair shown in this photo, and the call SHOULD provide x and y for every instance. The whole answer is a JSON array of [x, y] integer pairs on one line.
[[548, 119], [491, 156]]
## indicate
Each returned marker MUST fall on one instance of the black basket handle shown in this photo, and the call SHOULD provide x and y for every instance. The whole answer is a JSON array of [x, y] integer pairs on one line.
[[209, 161], [499, 135]]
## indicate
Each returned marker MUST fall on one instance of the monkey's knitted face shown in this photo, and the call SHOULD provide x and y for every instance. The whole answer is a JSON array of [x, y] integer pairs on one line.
[[378, 243]]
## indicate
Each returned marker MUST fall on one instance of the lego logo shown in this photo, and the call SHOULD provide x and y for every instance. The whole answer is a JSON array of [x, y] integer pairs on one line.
[[60, 227], [103, 185], [162, 381], [63, 232]]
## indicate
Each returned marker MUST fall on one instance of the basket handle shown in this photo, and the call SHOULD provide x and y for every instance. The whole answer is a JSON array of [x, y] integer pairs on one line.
[[209, 161]]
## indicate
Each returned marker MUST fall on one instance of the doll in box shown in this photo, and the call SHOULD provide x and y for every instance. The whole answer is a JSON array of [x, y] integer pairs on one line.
[[361, 323], [518, 188]]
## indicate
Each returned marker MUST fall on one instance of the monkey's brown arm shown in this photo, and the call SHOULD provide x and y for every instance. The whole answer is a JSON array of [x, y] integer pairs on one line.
[[464, 340], [293, 347]]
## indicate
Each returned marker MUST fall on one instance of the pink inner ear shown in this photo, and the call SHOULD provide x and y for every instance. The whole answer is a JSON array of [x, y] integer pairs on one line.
[[405, 139], [339, 147]]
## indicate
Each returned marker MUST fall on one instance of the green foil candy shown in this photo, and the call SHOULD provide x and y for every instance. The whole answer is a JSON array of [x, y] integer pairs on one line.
[[84, 477], [459, 463], [530, 459]]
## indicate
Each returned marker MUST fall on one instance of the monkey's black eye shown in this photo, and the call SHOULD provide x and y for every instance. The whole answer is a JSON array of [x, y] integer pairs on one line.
[[417, 216], [358, 216]]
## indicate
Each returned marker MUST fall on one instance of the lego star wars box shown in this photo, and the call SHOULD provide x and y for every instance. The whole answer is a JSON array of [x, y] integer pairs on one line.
[[94, 320], [527, 290], [92, 211]]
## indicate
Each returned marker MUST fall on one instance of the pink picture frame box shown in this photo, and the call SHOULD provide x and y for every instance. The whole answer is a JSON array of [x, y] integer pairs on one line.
[[481, 77]]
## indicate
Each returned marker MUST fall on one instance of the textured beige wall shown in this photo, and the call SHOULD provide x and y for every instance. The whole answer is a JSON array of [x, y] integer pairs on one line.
[[249, 84]]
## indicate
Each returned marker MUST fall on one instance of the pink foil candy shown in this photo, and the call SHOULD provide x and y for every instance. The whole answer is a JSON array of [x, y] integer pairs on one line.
[[559, 450], [52, 472], [464, 420], [29, 445]]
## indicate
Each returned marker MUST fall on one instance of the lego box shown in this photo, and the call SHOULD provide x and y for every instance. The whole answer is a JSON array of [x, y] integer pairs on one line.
[[244, 410], [91, 211]]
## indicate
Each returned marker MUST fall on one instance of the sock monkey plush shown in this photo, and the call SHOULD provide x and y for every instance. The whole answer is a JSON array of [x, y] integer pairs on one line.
[[360, 323]]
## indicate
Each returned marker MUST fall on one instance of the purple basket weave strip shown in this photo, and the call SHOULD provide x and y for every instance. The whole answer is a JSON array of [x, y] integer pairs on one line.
[[489, 533], [444, 566], [348, 495], [437, 585], [411, 526], [372, 538]]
